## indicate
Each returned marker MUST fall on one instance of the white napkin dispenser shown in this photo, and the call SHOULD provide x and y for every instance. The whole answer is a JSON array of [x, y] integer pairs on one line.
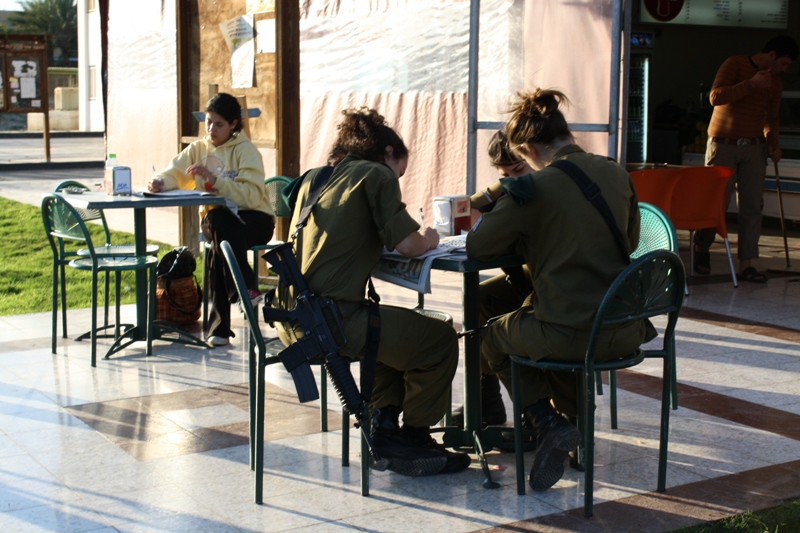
[[451, 214], [118, 181]]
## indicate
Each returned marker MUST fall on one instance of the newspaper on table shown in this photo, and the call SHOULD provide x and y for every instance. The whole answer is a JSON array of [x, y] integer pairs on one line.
[[415, 272]]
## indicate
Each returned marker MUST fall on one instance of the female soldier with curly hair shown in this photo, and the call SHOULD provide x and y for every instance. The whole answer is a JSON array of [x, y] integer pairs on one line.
[[358, 213]]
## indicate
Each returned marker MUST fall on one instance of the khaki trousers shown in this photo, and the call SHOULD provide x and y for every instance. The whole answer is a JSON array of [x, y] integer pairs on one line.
[[521, 333], [749, 173], [417, 360]]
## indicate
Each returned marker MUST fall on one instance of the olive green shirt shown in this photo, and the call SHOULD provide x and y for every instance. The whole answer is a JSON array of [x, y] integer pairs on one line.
[[567, 245]]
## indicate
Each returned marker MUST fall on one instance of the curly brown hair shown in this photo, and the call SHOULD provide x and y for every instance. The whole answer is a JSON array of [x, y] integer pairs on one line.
[[536, 118], [364, 133]]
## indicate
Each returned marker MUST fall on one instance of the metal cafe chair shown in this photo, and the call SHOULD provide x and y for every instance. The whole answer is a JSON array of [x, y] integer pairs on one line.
[[261, 353], [698, 202], [62, 222], [657, 233], [65, 255], [650, 286]]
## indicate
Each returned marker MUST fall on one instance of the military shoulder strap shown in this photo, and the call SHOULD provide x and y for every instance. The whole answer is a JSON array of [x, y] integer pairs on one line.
[[592, 192], [317, 185]]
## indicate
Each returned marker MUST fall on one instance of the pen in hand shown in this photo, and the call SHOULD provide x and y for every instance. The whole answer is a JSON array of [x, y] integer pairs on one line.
[[421, 218]]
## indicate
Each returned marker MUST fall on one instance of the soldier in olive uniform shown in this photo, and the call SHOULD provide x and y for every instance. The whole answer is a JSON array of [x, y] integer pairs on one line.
[[358, 213], [573, 259], [502, 293]]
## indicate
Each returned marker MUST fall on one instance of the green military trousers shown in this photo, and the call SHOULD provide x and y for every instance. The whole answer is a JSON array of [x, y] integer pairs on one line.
[[521, 333], [417, 360]]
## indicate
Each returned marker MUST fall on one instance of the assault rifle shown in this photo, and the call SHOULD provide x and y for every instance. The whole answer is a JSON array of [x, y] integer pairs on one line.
[[323, 335]]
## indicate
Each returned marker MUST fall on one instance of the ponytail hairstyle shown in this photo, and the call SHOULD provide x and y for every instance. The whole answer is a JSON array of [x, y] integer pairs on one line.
[[226, 106], [364, 133], [536, 118]]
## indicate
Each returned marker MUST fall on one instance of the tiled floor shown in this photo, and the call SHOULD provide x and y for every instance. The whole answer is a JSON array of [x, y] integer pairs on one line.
[[156, 444]]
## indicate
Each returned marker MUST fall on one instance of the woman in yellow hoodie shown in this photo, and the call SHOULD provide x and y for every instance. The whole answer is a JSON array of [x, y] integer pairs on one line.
[[224, 163]]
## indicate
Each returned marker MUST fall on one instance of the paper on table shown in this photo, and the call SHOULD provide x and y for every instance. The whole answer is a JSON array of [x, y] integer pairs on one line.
[[415, 272], [177, 192]]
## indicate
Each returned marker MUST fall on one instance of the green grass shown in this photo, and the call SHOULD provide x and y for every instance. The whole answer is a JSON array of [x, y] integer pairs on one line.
[[784, 518], [26, 262]]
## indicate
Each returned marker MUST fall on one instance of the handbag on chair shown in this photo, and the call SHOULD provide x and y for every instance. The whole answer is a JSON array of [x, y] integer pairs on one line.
[[178, 294]]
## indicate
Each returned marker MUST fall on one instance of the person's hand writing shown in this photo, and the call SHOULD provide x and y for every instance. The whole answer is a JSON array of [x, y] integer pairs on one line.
[[155, 185], [761, 80], [431, 237]]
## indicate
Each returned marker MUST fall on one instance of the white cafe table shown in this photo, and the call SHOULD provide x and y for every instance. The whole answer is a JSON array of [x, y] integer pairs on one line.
[[139, 204]]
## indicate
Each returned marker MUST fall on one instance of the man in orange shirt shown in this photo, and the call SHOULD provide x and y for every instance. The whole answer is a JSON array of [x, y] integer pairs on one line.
[[743, 131]]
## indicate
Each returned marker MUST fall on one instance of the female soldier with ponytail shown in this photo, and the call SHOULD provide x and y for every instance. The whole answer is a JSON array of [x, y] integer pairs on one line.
[[573, 259]]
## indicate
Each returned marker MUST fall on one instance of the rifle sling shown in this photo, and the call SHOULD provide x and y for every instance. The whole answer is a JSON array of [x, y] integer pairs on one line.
[[370, 360], [592, 192]]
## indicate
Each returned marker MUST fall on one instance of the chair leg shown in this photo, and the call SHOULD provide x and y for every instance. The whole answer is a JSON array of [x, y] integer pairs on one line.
[[516, 400], [151, 312], [255, 273], [673, 376], [323, 399], [599, 378], [93, 331], [730, 262], [105, 300], [664, 436], [588, 436], [345, 438], [117, 295], [365, 454], [612, 384], [259, 456], [251, 389], [63, 301], [54, 324], [205, 288]]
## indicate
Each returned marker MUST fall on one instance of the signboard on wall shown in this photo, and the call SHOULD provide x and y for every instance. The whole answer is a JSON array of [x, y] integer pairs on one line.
[[768, 14]]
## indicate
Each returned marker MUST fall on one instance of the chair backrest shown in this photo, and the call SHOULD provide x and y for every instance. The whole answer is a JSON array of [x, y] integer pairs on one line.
[[699, 199], [656, 186], [238, 280], [62, 222], [652, 285], [274, 187], [86, 214], [656, 231]]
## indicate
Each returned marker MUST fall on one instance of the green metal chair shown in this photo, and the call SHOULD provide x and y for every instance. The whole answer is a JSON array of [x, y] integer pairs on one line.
[[64, 223], [657, 233], [280, 207], [65, 255], [263, 352], [650, 286]]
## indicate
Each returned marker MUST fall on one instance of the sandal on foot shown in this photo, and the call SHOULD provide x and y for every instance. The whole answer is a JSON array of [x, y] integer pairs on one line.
[[752, 275], [702, 262]]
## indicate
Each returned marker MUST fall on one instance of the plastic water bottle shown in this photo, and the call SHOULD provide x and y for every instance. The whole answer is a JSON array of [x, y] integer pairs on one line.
[[108, 175]]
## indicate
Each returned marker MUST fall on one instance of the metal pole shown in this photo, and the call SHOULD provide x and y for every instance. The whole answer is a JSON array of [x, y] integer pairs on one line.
[[613, 97], [472, 96], [780, 210]]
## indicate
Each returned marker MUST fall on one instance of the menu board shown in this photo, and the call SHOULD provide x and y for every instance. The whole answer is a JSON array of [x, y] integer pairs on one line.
[[771, 14]]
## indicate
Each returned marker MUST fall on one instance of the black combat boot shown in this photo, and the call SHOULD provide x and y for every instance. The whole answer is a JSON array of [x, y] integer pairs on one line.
[[556, 437], [400, 453], [493, 410], [456, 461]]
